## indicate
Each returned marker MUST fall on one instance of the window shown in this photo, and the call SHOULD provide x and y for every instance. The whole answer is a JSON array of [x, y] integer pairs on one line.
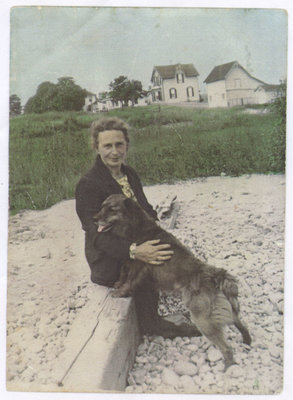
[[157, 81], [173, 93], [190, 91], [237, 83], [180, 77], [223, 96]]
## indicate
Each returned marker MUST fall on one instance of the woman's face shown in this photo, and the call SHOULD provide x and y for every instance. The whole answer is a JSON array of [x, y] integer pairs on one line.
[[112, 148]]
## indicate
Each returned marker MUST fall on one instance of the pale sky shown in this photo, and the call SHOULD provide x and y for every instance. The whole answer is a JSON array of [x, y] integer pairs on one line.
[[96, 45]]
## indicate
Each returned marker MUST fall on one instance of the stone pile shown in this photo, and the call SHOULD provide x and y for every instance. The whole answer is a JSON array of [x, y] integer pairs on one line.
[[234, 223], [241, 229]]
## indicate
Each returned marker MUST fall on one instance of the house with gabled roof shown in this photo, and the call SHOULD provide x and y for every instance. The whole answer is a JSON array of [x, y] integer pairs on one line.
[[174, 83], [231, 85]]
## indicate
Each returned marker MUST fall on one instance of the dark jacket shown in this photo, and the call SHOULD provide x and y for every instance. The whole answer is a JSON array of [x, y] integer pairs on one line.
[[105, 252]]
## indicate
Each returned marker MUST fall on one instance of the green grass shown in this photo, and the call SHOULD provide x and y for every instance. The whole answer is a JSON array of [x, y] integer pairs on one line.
[[49, 152]]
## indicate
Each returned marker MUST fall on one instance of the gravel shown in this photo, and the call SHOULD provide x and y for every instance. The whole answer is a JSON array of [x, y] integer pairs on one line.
[[234, 223], [237, 224]]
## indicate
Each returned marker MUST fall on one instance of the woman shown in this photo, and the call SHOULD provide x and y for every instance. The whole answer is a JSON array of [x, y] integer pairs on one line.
[[105, 252]]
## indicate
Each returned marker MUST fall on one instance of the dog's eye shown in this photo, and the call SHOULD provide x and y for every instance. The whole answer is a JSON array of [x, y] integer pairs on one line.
[[113, 209]]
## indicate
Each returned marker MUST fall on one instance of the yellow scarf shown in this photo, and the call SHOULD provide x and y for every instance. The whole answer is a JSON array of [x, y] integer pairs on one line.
[[126, 188]]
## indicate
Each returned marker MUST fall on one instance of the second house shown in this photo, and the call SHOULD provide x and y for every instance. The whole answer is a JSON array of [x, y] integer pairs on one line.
[[175, 83]]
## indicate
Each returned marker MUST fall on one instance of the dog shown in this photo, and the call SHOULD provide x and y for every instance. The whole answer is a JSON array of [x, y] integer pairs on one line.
[[209, 293]]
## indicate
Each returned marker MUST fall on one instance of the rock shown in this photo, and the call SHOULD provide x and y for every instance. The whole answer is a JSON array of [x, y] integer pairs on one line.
[[185, 368], [156, 381], [141, 360], [266, 358], [208, 379], [133, 389], [187, 382], [192, 347], [235, 371], [131, 380], [214, 355], [205, 369], [198, 359], [170, 378], [36, 346], [139, 376], [152, 359], [169, 362], [275, 351]]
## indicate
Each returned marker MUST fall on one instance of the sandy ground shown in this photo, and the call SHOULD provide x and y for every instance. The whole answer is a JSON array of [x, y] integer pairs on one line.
[[235, 223]]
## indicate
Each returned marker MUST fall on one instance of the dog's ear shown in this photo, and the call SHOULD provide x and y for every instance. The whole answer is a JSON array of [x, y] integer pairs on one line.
[[129, 204], [133, 209]]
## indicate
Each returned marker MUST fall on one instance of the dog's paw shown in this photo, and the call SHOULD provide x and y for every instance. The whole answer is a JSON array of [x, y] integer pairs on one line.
[[229, 363], [119, 293]]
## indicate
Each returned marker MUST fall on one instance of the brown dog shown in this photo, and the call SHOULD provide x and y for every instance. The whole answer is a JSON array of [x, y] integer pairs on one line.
[[208, 292]]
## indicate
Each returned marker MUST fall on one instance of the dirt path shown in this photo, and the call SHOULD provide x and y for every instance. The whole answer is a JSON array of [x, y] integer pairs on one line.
[[236, 223]]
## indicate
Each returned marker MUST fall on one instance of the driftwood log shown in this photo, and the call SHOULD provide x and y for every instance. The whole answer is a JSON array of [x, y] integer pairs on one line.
[[168, 211]]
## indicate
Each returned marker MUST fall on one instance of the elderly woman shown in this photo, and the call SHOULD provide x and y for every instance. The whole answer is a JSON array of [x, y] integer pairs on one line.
[[105, 252]]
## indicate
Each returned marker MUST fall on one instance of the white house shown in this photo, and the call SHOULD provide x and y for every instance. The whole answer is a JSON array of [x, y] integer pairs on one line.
[[90, 103], [267, 93], [231, 85], [174, 83]]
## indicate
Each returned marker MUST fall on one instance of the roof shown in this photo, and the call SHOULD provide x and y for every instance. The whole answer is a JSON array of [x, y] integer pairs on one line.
[[169, 71], [220, 72], [269, 88], [90, 93]]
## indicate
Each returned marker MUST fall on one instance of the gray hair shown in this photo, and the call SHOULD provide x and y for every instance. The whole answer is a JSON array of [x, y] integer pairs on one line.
[[108, 124]]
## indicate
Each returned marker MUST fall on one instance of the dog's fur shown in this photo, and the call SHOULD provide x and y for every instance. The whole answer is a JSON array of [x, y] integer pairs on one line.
[[208, 292]]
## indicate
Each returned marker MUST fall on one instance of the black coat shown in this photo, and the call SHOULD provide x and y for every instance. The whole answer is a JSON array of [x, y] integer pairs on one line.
[[105, 252]]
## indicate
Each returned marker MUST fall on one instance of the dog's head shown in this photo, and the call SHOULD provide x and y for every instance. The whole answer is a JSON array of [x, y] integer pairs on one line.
[[121, 215]]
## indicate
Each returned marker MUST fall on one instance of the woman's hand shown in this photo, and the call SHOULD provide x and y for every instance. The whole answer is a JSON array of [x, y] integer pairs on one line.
[[152, 252]]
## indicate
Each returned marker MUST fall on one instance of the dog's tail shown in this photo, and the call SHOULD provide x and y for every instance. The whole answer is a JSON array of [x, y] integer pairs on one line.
[[228, 285]]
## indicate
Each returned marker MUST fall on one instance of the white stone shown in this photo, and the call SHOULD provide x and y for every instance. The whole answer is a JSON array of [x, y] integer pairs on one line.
[[152, 359], [156, 381], [235, 371], [169, 377], [36, 346], [274, 352], [185, 368], [139, 376], [141, 360], [214, 354], [192, 347], [205, 368], [187, 382], [208, 379]]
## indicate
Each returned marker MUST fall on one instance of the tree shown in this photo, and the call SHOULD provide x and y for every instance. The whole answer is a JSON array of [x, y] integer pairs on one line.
[[118, 89], [70, 97], [134, 91], [63, 96], [103, 95], [14, 105], [124, 90]]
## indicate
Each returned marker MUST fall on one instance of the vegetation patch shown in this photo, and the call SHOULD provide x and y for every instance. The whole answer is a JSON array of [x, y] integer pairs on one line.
[[49, 152]]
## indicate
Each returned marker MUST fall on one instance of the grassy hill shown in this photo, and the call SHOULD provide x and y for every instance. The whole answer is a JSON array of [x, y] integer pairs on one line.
[[49, 152]]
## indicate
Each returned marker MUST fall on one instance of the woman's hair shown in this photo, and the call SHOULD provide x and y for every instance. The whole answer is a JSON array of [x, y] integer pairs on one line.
[[108, 124]]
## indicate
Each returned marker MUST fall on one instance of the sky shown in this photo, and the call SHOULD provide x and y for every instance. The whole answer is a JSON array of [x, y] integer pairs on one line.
[[95, 45]]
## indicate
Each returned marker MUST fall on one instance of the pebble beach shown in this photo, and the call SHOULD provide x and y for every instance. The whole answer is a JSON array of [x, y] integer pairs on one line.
[[236, 223]]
